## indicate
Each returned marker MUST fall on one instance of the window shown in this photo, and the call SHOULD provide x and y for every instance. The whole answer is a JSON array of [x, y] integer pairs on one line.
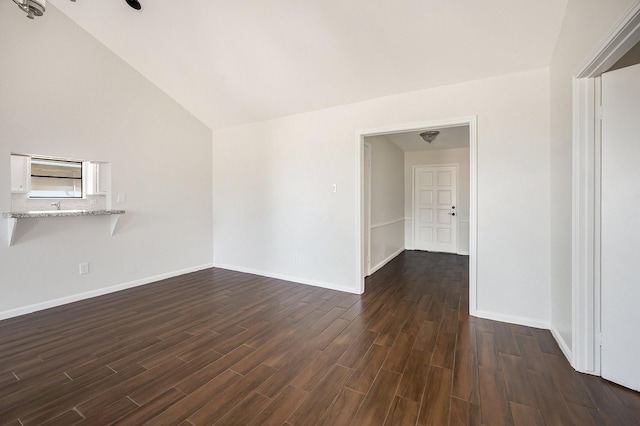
[[55, 178]]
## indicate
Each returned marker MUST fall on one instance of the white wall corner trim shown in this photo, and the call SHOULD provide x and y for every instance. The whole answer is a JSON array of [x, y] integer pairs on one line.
[[585, 187], [99, 292], [583, 208], [385, 261], [528, 322], [564, 347], [296, 280]]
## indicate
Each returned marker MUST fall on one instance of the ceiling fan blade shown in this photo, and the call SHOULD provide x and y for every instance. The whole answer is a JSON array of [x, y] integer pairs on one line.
[[134, 4]]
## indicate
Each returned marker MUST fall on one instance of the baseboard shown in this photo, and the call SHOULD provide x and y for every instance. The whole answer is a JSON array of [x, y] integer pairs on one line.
[[290, 278], [528, 322], [387, 260], [563, 345], [99, 292]]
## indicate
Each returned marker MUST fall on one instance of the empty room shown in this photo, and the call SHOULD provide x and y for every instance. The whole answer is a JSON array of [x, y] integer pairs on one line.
[[319, 213]]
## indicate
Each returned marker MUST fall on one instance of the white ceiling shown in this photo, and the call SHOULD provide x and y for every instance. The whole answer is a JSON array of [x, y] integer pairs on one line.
[[449, 137], [241, 61]]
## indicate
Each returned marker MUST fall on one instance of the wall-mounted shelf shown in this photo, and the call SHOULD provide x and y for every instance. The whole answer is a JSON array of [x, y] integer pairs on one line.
[[13, 218]]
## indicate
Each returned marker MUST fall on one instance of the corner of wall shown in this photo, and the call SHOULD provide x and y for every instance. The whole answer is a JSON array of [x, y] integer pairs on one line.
[[565, 347]]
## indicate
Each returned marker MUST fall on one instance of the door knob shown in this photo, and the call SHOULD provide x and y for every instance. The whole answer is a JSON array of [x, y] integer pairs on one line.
[[452, 214]]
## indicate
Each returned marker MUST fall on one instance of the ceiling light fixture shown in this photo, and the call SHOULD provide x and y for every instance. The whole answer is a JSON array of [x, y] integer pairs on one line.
[[32, 7], [429, 136]]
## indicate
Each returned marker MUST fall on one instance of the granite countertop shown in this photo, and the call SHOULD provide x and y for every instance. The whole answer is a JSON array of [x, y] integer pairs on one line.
[[59, 213]]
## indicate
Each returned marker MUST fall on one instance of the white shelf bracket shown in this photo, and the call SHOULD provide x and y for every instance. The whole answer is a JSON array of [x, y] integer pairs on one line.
[[11, 229], [114, 222]]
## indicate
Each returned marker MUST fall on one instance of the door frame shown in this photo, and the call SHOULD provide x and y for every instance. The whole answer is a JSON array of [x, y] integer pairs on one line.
[[470, 121], [585, 276], [413, 199], [367, 211]]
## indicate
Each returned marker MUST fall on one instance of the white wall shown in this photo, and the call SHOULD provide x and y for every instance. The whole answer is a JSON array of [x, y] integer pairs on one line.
[[586, 23], [458, 156], [387, 201], [272, 186], [64, 94]]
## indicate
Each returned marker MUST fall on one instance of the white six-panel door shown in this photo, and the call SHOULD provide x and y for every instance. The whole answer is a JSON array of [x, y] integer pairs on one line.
[[435, 215], [620, 248]]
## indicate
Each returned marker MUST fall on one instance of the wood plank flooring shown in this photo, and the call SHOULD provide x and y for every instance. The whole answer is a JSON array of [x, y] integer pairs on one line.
[[225, 348]]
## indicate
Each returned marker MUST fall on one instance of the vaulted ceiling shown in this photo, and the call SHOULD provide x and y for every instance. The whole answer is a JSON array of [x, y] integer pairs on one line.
[[241, 61]]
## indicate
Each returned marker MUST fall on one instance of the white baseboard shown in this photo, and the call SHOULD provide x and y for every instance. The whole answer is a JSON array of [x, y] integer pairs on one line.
[[293, 279], [387, 260], [99, 292], [528, 322], [563, 345]]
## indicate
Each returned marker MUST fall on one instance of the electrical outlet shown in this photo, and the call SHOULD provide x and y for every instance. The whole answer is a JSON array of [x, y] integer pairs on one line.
[[84, 268]]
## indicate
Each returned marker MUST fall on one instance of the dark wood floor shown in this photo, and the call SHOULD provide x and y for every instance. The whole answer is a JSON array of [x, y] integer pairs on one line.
[[220, 347]]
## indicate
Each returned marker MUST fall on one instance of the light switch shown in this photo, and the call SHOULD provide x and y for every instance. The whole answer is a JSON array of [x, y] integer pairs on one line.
[[334, 187]]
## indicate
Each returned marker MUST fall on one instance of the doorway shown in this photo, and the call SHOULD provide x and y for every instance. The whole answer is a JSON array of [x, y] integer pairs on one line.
[[470, 124], [586, 176]]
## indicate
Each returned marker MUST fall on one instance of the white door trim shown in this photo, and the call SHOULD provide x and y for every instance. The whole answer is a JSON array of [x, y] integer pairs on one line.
[[413, 199], [585, 353], [367, 213], [473, 193]]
